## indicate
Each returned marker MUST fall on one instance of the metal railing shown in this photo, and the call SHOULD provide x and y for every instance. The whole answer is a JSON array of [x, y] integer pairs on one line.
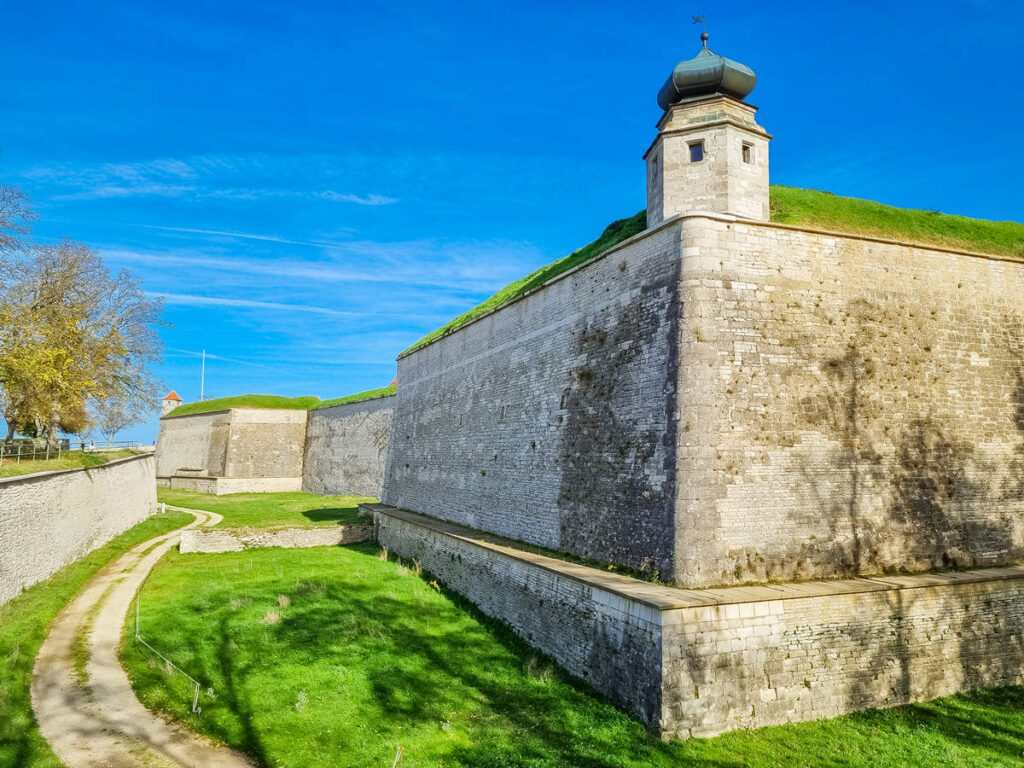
[[16, 452], [29, 451]]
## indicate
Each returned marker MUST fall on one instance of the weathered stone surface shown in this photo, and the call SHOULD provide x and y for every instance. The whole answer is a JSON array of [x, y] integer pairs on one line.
[[612, 643], [219, 486], [553, 420], [851, 406], [237, 539], [347, 448], [51, 519], [240, 442]]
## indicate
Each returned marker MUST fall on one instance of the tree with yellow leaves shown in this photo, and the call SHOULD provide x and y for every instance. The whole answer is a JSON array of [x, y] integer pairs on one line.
[[71, 333]]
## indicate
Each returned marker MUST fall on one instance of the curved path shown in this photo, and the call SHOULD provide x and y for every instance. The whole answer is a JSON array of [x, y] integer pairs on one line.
[[99, 722]]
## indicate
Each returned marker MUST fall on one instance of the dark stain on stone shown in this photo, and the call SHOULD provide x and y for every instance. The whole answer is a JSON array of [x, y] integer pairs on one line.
[[616, 498]]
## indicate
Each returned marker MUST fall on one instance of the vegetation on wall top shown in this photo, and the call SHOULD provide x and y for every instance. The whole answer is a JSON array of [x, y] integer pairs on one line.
[[802, 207], [824, 210], [279, 402]]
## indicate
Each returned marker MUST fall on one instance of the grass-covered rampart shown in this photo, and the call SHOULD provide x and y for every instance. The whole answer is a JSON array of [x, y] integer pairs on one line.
[[800, 207], [309, 403]]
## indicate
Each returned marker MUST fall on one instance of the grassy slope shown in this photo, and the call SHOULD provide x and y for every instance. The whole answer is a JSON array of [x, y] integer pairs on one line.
[[277, 401], [805, 207], [331, 656], [271, 510], [248, 401], [24, 622], [824, 210], [67, 460], [370, 394]]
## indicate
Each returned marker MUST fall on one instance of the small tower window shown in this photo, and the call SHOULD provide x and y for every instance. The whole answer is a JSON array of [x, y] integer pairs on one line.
[[696, 151], [748, 153]]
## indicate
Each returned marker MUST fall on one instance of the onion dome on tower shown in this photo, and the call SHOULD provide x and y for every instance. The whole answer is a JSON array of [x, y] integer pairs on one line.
[[706, 74]]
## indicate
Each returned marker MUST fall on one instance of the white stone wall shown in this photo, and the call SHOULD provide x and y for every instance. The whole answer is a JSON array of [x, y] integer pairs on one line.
[[849, 406], [347, 447], [552, 419], [240, 442], [753, 664], [51, 519], [235, 540], [193, 442], [702, 662]]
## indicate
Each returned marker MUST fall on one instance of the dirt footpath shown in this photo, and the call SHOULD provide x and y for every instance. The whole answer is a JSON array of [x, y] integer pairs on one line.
[[99, 723]]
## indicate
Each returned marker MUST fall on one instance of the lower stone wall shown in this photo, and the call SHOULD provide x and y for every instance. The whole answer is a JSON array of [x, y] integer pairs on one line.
[[51, 519], [235, 540], [702, 662], [219, 486], [611, 643], [777, 661], [347, 448]]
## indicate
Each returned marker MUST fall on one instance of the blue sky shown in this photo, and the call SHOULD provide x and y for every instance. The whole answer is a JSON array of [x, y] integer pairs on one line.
[[314, 186]]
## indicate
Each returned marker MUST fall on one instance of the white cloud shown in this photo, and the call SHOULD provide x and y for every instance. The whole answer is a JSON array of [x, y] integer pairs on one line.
[[194, 300], [199, 177], [240, 235]]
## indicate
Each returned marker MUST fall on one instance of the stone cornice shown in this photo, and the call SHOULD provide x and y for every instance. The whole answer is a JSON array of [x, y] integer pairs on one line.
[[667, 598]]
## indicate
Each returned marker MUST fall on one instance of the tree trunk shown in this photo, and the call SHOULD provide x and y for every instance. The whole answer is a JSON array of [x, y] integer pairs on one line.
[[53, 428], [10, 416]]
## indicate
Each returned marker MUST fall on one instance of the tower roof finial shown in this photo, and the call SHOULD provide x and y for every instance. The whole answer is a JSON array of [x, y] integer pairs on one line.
[[705, 74], [702, 20]]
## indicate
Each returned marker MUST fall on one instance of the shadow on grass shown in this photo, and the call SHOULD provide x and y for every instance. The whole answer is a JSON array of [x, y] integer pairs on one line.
[[236, 700], [427, 665], [340, 515], [438, 664]]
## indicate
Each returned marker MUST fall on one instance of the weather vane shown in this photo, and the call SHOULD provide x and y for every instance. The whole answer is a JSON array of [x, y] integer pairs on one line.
[[702, 20]]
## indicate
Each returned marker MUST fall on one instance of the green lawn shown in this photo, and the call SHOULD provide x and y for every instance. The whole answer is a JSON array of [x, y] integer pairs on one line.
[[332, 657], [24, 622], [67, 460], [271, 510]]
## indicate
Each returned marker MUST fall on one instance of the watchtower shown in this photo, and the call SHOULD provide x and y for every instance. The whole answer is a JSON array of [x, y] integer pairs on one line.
[[710, 154], [169, 403]]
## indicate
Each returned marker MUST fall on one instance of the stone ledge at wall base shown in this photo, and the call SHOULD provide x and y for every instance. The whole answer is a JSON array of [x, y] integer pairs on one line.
[[701, 662], [239, 539], [219, 486]]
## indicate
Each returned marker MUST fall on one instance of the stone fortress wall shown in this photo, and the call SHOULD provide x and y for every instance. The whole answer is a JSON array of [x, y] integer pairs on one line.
[[193, 442], [552, 419], [848, 407], [736, 408], [839, 407], [51, 519], [337, 450], [214, 452], [346, 448], [701, 662], [852, 406]]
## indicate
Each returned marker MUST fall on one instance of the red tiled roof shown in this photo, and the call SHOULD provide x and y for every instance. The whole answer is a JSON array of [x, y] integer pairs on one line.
[[172, 396]]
